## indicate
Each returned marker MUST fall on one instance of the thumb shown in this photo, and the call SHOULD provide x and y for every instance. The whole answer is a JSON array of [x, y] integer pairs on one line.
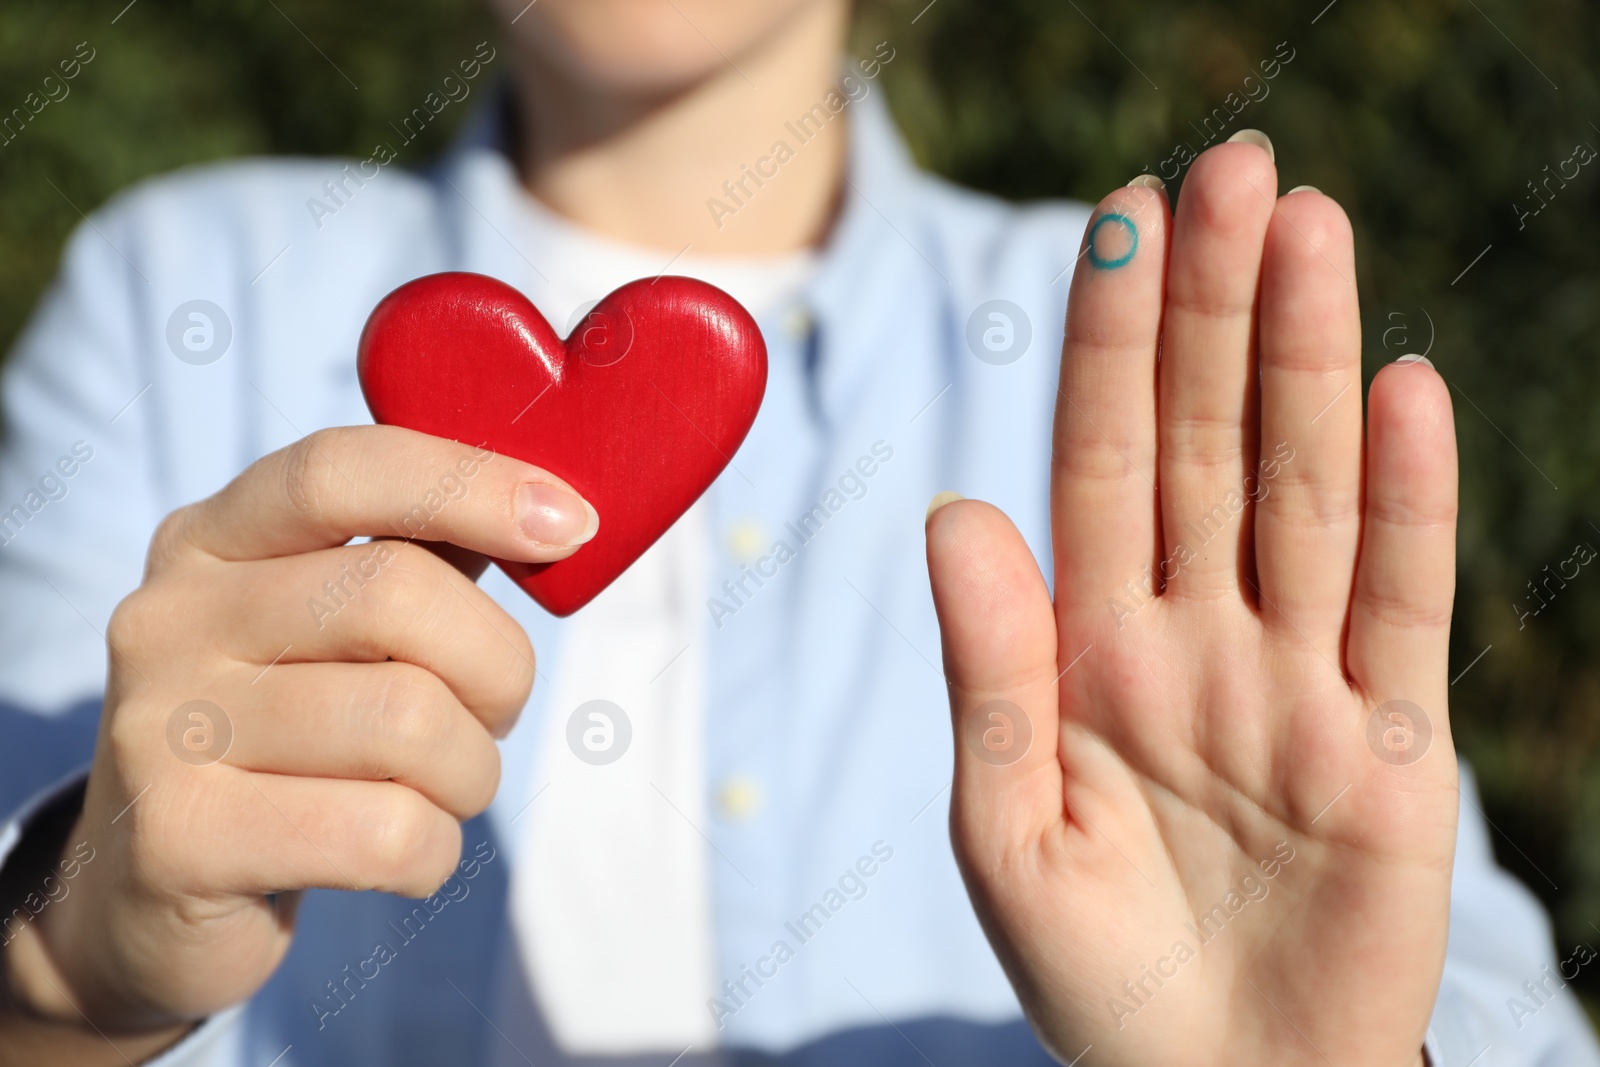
[[998, 629]]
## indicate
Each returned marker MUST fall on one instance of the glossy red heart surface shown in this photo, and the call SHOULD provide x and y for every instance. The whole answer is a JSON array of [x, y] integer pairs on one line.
[[638, 410]]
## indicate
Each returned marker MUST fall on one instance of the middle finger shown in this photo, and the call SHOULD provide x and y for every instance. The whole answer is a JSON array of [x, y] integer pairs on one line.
[[1207, 401], [368, 602], [368, 721]]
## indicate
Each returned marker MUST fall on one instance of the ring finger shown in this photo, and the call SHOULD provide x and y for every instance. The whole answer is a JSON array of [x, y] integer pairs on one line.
[[365, 603], [369, 721]]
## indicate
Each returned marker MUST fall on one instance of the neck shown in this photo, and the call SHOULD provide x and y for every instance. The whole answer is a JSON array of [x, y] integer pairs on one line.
[[652, 170]]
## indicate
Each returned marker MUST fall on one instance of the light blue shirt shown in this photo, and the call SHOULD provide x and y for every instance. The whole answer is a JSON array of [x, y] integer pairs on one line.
[[825, 687]]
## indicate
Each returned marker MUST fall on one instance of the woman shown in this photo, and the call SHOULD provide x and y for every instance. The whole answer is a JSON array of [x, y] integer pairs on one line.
[[1165, 803]]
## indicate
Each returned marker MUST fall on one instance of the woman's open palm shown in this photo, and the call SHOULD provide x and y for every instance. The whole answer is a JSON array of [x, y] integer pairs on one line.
[[1205, 798]]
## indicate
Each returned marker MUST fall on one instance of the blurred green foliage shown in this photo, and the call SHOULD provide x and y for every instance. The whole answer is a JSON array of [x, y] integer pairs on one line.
[[176, 82], [1425, 118]]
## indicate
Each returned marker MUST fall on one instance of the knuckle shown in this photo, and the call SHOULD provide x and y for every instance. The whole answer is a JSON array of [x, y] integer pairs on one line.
[[1313, 509], [1209, 297], [165, 847], [439, 864], [1403, 609], [1408, 514], [151, 858], [133, 620], [413, 572], [407, 720], [411, 559], [129, 739], [392, 835], [484, 786], [1311, 350], [522, 670], [308, 473], [515, 684], [406, 842], [413, 585], [169, 540], [1086, 456]]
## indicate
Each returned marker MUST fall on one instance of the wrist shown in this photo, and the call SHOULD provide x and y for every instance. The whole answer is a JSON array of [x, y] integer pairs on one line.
[[41, 1018], [30, 887], [29, 1036], [32, 890], [43, 1021]]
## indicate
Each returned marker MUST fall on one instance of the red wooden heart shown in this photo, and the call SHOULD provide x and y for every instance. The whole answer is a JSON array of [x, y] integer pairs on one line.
[[639, 410]]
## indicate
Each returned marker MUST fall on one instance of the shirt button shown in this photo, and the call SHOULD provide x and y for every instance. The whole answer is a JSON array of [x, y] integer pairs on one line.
[[747, 539], [739, 799], [797, 323]]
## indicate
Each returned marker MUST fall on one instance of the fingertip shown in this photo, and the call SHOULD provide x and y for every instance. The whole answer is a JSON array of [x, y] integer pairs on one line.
[[1257, 138], [1231, 188], [1409, 397], [591, 525], [993, 605], [1411, 447], [1139, 202], [997, 629], [554, 519], [940, 500], [1316, 224], [1405, 582], [1144, 193], [958, 528]]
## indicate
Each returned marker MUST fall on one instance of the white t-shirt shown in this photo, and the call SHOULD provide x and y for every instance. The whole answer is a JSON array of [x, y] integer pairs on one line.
[[575, 267], [613, 906]]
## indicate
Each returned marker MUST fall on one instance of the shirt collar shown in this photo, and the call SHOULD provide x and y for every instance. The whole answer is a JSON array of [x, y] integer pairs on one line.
[[877, 247]]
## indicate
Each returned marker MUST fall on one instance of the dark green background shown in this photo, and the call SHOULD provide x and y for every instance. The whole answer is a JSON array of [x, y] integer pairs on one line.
[[1425, 119]]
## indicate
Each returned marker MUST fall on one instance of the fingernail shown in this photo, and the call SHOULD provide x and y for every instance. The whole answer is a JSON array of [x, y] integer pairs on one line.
[[1257, 138], [1147, 181], [1303, 189], [940, 500], [1405, 360], [551, 515]]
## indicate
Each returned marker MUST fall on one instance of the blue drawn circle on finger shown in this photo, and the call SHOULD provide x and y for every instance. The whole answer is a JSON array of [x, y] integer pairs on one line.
[[1123, 260]]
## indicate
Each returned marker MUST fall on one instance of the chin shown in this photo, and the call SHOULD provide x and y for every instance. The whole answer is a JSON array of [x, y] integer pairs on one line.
[[644, 47]]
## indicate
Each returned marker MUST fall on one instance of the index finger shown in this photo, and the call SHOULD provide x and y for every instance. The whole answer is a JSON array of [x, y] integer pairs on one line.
[[386, 481]]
